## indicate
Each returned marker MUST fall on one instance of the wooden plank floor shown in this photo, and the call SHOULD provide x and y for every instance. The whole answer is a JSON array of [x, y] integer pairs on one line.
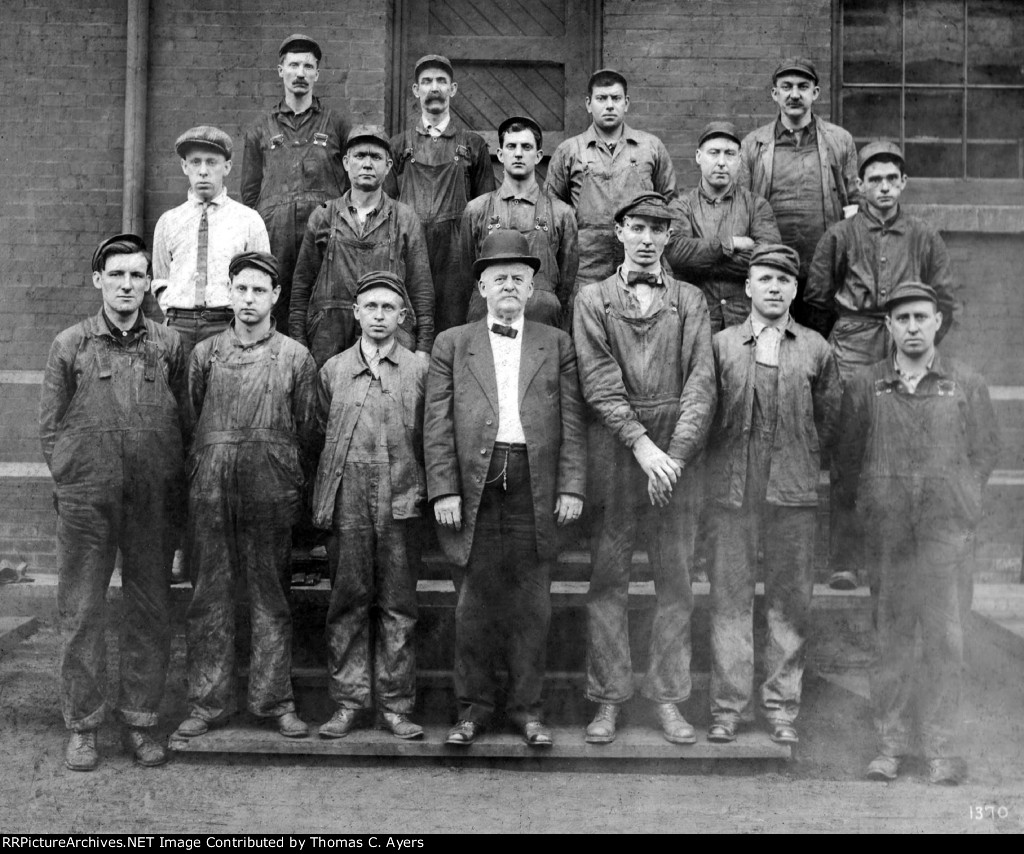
[[632, 743]]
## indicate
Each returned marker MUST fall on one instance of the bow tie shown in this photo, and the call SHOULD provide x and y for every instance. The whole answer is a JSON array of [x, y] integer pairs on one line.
[[507, 331], [634, 278]]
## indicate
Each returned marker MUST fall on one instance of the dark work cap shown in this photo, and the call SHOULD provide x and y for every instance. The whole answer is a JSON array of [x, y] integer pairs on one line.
[[909, 291], [778, 256], [370, 133], [435, 60], [713, 129], [257, 260], [504, 245], [382, 279], [205, 136], [521, 120], [119, 244], [796, 65], [645, 204], [299, 43], [607, 72], [878, 148]]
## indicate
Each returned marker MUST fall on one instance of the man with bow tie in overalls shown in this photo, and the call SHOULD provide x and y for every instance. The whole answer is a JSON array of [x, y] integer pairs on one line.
[[647, 372], [604, 167], [439, 167], [293, 160], [520, 203]]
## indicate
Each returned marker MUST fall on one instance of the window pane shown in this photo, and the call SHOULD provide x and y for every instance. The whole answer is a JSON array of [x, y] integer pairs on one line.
[[872, 113], [933, 160], [935, 113], [995, 42], [935, 41], [995, 126], [871, 41]]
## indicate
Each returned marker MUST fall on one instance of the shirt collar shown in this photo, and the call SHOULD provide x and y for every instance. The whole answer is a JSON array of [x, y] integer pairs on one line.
[[515, 324], [366, 349], [121, 334], [758, 327], [283, 109], [892, 373], [594, 139], [895, 224], [755, 327], [704, 194], [237, 342], [442, 126], [506, 192], [781, 130], [216, 201]]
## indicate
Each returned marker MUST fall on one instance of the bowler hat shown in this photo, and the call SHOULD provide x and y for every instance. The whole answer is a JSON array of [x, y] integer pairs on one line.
[[204, 136], [258, 260], [909, 291], [778, 256], [299, 43], [502, 246]]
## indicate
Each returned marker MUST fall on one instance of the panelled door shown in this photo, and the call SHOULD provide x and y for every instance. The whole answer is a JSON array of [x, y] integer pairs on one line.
[[511, 57]]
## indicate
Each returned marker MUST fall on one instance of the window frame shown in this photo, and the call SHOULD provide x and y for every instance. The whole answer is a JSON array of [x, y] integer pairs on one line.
[[961, 189]]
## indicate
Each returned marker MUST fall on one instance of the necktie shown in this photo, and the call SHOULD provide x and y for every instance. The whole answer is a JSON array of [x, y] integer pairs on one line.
[[507, 331], [202, 257], [767, 349], [634, 278], [375, 363]]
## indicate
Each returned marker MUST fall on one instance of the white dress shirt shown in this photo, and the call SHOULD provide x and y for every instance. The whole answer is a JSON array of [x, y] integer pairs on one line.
[[232, 228], [767, 345], [507, 352]]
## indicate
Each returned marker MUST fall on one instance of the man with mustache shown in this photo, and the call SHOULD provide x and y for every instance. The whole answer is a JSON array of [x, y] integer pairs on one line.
[[803, 165], [293, 159], [599, 170], [439, 166], [520, 203], [718, 226]]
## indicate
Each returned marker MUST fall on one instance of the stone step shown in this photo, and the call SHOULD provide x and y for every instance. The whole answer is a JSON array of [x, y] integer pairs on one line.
[[633, 742]]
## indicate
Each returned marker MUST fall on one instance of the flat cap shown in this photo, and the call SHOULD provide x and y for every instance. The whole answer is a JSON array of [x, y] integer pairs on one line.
[[504, 245], [875, 149], [796, 65], [370, 133], [607, 72], [299, 43], [382, 279], [205, 136], [119, 244], [521, 120], [908, 291], [436, 60], [645, 204], [778, 256], [258, 260], [713, 129]]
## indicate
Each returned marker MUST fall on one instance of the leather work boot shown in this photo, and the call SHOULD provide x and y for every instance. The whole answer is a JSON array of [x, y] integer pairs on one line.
[[81, 753], [192, 727], [946, 772], [340, 724], [147, 751], [401, 726], [290, 725], [884, 768], [673, 725], [601, 729]]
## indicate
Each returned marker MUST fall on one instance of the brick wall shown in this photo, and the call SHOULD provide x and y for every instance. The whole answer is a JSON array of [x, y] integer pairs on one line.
[[693, 61]]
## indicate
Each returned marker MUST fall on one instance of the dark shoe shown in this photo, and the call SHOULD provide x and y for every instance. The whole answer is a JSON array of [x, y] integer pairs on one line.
[[464, 733], [191, 727], [673, 725], [945, 772], [843, 581], [342, 722], [535, 734], [884, 768], [401, 726], [291, 726], [722, 732], [81, 753], [147, 750], [601, 730], [783, 734]]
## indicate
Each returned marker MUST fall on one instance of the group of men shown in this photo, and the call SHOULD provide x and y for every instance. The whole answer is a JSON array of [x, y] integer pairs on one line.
[[627, 347]]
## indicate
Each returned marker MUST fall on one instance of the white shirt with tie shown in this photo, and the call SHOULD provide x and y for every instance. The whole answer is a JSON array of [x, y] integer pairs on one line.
[[507, 353]]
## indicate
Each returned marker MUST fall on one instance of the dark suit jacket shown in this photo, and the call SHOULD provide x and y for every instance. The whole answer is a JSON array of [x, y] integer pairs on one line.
[[461, 423]]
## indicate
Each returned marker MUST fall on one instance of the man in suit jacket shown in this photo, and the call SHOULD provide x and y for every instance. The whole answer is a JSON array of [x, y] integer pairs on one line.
[[505, 458]]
